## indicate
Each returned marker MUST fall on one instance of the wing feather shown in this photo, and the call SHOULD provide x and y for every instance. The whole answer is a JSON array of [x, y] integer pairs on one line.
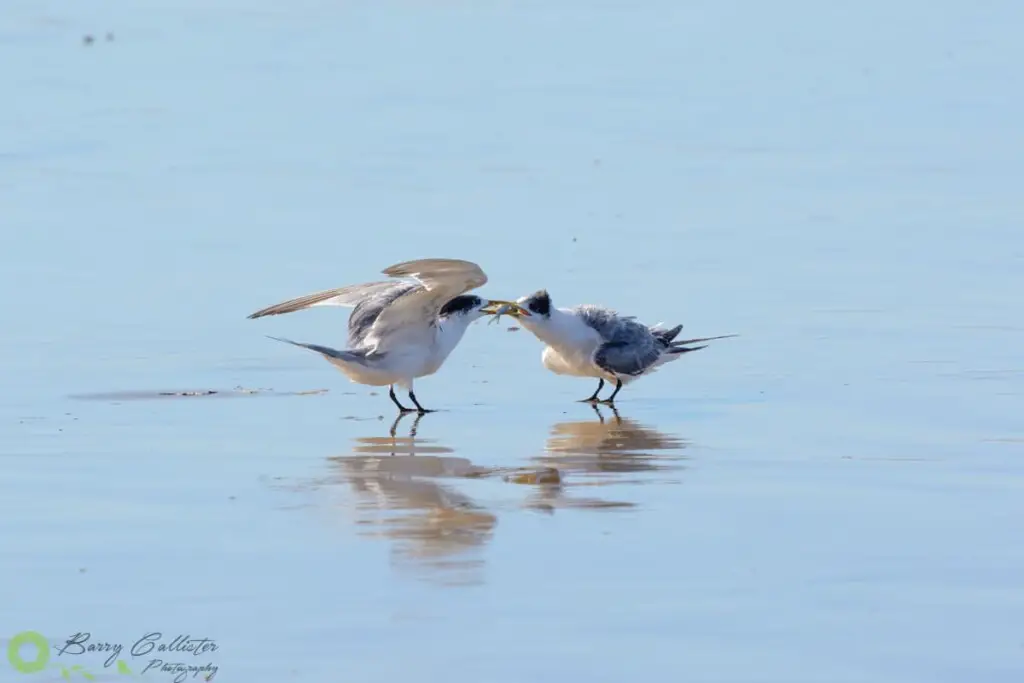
[[627, 356], [342, 296], [385, 306], [441, 279]]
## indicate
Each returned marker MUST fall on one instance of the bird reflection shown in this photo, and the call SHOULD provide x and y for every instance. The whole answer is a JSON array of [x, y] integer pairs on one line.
[[598, 453], [412, 491], [611, 446], [437, 531], [383, 445]]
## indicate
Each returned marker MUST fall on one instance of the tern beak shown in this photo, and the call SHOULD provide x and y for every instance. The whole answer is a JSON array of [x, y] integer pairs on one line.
[[495, 307]]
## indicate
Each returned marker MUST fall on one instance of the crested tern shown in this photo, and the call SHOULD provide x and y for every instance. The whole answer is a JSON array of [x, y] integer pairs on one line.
[[400, 330], [592, 341]]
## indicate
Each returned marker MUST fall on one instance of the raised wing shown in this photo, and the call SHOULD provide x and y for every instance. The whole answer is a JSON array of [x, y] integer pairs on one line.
[[343, 296], [441, 273], [366, 312], [441, 280]]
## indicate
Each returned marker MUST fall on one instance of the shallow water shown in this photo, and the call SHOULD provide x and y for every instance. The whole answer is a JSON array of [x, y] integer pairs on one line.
[[834, 495]]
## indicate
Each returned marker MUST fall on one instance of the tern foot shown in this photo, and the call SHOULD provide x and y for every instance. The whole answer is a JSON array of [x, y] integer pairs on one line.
[[394, 399], [611, 399], [420, 409], [593, 398]]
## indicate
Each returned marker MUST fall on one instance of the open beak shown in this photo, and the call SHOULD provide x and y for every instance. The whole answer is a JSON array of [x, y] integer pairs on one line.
[[496, 307]]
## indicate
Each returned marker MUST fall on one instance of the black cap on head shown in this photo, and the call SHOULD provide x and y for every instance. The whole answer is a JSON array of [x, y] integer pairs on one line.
[[461, 304], [539, 302]]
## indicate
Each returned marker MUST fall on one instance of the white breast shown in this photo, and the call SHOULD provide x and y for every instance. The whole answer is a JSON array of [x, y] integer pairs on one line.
[[560, 365], [570, 344]]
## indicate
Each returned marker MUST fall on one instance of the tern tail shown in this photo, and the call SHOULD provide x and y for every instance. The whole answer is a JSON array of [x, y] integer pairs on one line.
[[326, 351], [676, 350], [665, 336], [681, 346]]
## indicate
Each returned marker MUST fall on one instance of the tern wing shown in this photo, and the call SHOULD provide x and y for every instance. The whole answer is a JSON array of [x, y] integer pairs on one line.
[[631, 350], [606, 322], [440, 280], [366, 312], [342, 296]]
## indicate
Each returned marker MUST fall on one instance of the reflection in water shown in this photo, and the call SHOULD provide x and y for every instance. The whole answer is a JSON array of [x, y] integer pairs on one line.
[[611, 446], [599, 450], [435, 527], [404, 493]]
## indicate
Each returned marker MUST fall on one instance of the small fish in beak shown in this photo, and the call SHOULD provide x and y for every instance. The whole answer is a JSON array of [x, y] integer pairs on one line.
[[500, 308]]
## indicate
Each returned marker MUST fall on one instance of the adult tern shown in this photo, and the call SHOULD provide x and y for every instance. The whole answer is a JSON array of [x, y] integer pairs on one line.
[[400, 330]]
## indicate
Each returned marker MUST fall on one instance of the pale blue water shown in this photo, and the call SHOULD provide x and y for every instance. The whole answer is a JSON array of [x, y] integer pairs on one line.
[[835, 495]]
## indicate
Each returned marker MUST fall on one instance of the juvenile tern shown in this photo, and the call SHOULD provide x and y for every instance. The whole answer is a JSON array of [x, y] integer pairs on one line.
[[591, 341], [400, 330]]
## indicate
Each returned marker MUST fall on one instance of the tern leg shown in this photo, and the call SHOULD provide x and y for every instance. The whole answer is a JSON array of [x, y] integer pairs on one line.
[[593, 399], [419, 408], [611, 399], [391, 393]]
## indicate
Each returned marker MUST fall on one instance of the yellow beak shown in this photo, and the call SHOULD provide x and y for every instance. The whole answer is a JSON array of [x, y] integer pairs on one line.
[[497, 307]]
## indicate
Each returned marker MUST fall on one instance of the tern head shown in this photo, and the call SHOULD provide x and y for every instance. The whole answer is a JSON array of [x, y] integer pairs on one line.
[[537, 304], [469, 308]]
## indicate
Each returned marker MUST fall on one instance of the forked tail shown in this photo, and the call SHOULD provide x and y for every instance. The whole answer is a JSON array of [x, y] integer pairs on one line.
[[684, 345], [665, 336]]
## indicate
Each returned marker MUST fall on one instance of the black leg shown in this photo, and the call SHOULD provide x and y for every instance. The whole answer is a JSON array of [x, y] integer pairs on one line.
[[599, 415], [420, 408], [394, 398], [592, 399], [611, 399]]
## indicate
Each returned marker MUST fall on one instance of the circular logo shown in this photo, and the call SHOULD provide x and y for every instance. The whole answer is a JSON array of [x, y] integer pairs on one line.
[[42, 652]]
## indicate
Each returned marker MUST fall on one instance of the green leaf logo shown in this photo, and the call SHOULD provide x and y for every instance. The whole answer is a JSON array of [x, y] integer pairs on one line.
[[122, 668], [66, 672]]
